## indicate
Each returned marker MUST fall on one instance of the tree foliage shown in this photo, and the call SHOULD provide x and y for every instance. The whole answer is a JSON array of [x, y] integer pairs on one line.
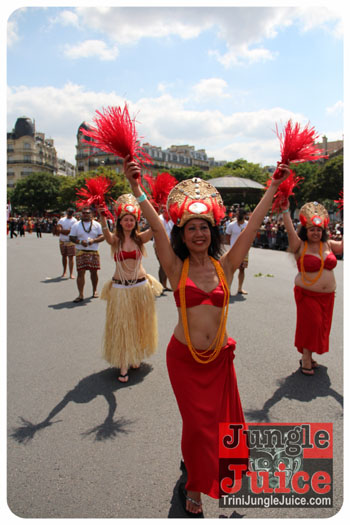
[[36, 193], [321, 182], [240, 168]]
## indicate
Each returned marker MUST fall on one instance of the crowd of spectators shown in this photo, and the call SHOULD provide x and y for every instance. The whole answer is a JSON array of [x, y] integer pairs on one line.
[[271, 235]]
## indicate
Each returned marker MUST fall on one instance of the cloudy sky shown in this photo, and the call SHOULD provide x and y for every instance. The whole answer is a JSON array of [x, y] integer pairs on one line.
[[217, 78]]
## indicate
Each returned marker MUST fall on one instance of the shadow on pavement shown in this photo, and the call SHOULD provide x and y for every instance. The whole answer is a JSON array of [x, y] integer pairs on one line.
[[238, 298], [70, 304], [102, 383], [299, 387], [54, 279]]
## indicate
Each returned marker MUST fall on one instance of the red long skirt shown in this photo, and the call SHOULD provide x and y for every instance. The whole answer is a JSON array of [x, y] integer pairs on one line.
[[207, 394], [314, 320]]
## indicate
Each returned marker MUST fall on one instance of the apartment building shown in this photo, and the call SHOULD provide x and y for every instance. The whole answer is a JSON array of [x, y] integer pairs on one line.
[[28, 151], [89, 157]]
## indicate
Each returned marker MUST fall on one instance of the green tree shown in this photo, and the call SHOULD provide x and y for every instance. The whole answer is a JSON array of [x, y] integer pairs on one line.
[[320, 182], [36, 193], [188, 173], [240, 168]]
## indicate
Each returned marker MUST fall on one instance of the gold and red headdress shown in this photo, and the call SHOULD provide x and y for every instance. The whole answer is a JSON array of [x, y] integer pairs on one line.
[[195, 199], [127, 205], [314, 214]]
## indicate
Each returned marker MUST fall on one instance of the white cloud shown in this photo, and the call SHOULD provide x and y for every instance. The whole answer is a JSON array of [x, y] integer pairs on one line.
[[91, 48], [66, 18], [12, 33], [336, 109], [161, 121], [241, 29], [210, 88]]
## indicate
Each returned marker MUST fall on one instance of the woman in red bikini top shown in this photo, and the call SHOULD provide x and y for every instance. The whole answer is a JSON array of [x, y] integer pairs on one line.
[[316, 259], [128, 338], [126, 241], [199, 355]]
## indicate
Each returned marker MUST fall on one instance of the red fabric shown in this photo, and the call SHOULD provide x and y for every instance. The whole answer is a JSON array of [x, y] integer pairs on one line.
[[312, 263], [195, 296], [207, 394], [314, 320], [121, 256]]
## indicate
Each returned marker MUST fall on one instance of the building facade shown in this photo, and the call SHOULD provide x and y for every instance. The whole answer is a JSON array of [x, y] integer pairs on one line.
[[28, 152], [89, 157]]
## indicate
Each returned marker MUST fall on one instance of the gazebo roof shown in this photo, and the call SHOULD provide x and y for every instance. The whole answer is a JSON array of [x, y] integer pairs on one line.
[[235, 183]]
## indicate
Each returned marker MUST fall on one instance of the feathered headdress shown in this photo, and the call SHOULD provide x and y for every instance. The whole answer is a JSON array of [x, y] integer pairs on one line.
[[127, 205], [314, 214], [195, 199], [115, 133], [159, 188], [94, 194]]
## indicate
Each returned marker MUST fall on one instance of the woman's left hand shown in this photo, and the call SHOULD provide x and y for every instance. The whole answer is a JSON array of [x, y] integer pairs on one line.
[[132, 171]]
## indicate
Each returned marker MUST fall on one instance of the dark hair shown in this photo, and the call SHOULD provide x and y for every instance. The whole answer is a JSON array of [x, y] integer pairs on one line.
[[135, 234], [303, 234], [181, 250], [241, 213]]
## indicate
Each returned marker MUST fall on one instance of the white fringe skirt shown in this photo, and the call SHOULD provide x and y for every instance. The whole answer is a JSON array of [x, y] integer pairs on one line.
[[131, 330]]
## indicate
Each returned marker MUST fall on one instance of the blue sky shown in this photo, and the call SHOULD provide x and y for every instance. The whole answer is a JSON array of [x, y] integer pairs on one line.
[[218, 78]]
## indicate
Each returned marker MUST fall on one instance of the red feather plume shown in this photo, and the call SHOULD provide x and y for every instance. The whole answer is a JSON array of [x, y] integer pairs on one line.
[[94, 194], [160, 187], [340, 202], [285, 190], [115, 133], [297, 145]]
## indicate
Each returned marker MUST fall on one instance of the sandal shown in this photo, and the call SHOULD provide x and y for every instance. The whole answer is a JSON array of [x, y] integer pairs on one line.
[[123, 376], [78, 300], [302, 368], [314, 364], [183, 497]]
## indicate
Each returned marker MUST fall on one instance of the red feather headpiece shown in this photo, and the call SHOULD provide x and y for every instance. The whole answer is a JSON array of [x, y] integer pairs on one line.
[[94, 194], [297, 145], [115, 133], [195, 199], [159, 188], [340, 202]]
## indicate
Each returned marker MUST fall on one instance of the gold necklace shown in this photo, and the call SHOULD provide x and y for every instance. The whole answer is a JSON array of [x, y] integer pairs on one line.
[[306, 280], [211, 353]]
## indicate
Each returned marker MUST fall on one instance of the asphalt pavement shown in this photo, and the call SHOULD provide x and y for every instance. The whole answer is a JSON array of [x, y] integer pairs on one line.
[[83, 445]]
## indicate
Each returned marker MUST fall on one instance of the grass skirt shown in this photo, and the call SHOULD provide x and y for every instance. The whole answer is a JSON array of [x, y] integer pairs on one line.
[[131, 331]]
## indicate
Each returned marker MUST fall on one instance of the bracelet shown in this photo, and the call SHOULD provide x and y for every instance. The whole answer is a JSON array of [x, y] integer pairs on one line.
[[285, 211], [104, 227], [141, 198]]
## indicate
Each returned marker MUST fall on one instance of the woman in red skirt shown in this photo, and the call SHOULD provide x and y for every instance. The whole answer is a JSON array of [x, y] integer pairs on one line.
[[315, 284], [200, 353]]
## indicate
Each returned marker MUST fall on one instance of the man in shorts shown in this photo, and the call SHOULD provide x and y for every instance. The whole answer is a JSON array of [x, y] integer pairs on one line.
[[67, 247], [87, 233]]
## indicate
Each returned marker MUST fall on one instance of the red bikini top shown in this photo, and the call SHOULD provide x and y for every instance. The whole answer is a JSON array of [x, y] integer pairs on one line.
[[121, 255], [196, 296], [312, 263]]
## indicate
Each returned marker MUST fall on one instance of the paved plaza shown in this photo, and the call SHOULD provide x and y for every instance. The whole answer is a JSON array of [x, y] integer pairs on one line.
[[83, 445]]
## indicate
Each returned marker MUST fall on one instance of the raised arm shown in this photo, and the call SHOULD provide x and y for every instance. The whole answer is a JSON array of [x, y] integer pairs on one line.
[[169, 261], [294, 241], [111, 238], [232, 259]]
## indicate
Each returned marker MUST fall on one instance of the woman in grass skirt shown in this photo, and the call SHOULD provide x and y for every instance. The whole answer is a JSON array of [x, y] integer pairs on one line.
[[131, 332]]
